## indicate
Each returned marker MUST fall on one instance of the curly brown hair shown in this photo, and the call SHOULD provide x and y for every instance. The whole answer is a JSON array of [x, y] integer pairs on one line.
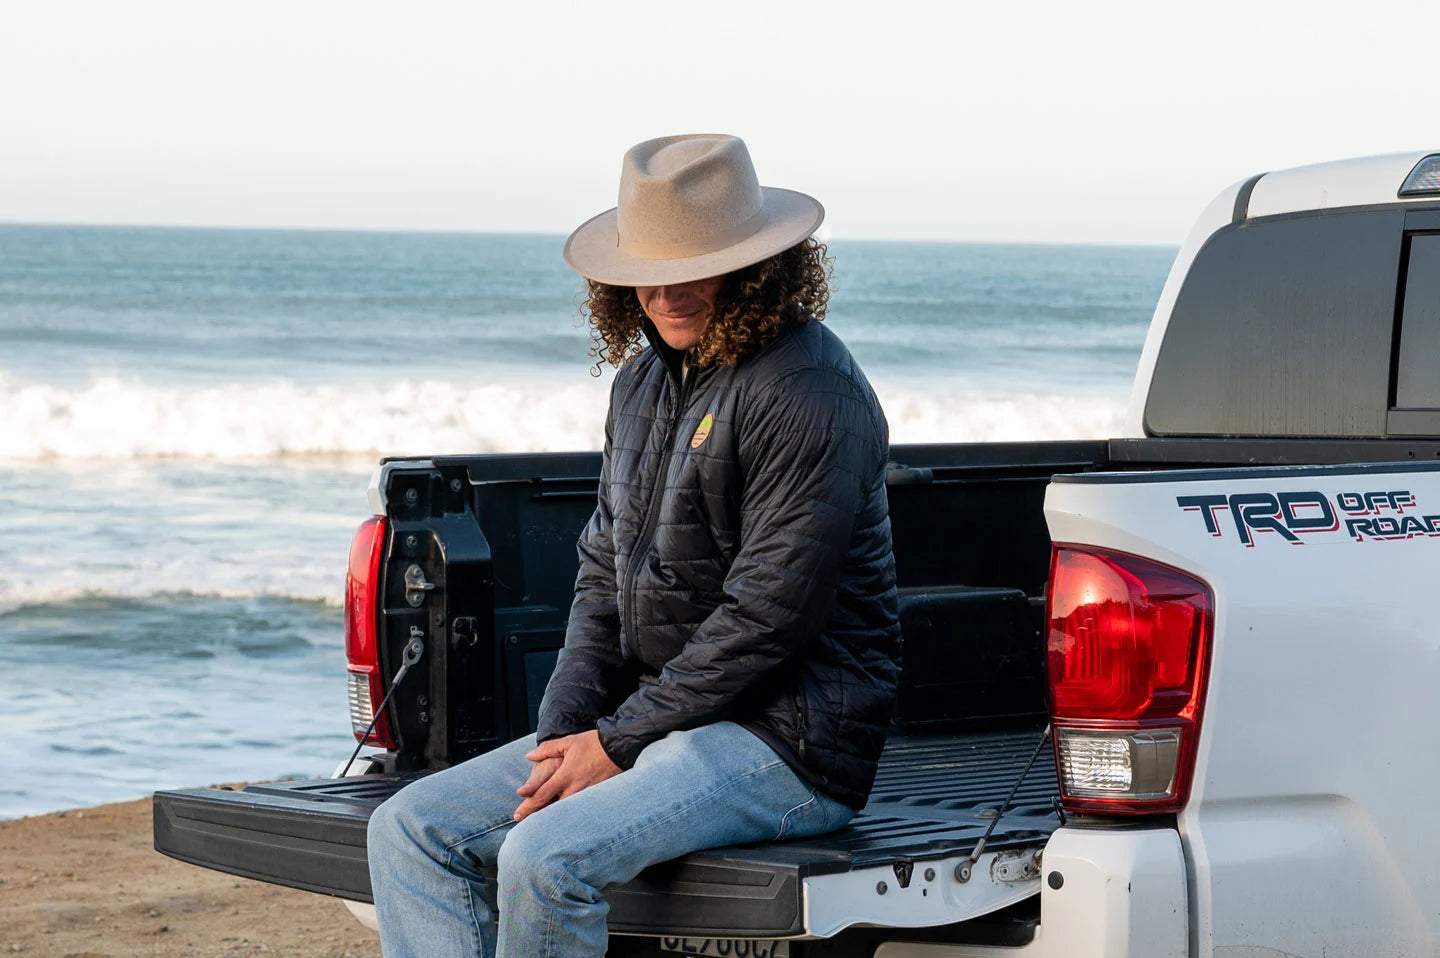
[[752, 305]]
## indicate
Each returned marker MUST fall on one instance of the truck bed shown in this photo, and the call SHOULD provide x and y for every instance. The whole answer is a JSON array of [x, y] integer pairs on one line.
[[933, 799]]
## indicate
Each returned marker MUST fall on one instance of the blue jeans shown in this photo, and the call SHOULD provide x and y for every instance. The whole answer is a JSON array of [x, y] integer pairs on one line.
[[712, 786]]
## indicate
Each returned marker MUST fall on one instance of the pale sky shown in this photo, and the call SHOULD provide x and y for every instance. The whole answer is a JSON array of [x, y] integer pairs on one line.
[[1042, 121]]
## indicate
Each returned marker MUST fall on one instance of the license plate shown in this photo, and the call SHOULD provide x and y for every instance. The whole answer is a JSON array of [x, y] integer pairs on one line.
[[727, 947]]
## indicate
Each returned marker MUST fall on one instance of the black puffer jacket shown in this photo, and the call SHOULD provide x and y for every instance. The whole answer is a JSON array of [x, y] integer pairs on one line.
[[757, 584]]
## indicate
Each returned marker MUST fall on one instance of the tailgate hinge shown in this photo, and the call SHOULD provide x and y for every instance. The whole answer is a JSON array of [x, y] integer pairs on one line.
[[1010, 867]]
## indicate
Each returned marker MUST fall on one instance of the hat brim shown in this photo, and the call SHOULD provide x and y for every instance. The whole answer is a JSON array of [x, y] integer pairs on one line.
[[594, 251]]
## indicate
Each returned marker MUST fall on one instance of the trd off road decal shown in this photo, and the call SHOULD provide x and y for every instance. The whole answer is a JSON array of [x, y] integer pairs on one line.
[[1293, 515]]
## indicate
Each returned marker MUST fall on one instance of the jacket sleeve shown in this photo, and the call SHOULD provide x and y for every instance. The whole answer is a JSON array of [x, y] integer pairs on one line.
[[810, 447], [582, 687]]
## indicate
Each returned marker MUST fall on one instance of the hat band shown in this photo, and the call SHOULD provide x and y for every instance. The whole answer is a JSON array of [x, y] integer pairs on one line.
[[708, 244]]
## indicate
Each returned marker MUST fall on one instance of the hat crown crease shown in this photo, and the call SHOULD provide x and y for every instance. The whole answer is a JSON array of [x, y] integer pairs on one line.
[[686, 196]]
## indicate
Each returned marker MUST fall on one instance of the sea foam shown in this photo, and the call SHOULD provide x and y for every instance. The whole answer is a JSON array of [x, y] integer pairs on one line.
[[201, 577], [118, 418]]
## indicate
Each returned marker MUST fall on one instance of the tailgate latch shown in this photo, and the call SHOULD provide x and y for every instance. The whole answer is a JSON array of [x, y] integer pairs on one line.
[[416, 586]]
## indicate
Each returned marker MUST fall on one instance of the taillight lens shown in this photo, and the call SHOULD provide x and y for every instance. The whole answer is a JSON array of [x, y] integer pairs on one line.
[[362, 619], [1126, 654]]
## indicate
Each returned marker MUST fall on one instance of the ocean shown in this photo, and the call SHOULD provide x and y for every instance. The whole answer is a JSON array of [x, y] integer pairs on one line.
[[189, 418]]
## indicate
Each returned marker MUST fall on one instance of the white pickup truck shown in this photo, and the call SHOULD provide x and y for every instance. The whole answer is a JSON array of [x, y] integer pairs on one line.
[[1222, 620]]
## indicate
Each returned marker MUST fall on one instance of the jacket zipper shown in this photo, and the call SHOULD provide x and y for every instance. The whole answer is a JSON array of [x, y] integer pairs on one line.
[[652, 510], [800, 719]]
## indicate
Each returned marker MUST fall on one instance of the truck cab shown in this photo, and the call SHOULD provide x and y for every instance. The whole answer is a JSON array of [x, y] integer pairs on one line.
[[1159, 693]]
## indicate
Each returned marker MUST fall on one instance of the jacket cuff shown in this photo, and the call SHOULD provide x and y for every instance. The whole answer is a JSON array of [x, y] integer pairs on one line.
[[551, 727], [621, 749]]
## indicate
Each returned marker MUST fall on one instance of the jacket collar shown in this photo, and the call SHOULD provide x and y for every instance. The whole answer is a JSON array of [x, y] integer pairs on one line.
[[674, 359]]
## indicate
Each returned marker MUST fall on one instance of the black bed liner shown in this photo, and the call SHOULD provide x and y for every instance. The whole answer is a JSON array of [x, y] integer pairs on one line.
[[933, 798]]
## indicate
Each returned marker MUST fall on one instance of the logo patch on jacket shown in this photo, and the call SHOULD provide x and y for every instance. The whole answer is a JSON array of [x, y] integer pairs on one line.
[[702, 432]]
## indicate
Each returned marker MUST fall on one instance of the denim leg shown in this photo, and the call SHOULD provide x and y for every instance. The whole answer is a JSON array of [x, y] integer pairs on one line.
[[427, 844], [712, 786]]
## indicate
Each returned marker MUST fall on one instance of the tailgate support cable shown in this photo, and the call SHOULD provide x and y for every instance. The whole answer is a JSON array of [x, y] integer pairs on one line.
[[962, 870], [413, 650]]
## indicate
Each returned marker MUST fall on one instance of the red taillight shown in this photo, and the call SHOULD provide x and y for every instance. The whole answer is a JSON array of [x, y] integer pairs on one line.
[[1128, 645], [362, 618]]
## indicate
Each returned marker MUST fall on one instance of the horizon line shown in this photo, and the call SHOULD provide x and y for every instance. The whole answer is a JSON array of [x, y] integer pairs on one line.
[[420, 231]]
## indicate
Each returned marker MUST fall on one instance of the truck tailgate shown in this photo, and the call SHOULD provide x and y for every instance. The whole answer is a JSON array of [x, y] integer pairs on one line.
[[933, 799]]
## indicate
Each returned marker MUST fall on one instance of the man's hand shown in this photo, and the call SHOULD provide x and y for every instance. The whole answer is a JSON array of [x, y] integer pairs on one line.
[[564, 766], [539, 775]]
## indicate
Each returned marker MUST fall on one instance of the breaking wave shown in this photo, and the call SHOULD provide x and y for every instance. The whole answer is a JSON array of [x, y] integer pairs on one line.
[[119, 418], [323, 589], [973, 416]]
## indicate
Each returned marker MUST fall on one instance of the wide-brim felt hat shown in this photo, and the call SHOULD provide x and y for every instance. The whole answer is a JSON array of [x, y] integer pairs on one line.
[[690, 207]]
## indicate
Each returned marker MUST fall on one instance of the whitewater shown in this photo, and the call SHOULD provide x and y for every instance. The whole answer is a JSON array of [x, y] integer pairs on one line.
[[116, 418], [189, 418]]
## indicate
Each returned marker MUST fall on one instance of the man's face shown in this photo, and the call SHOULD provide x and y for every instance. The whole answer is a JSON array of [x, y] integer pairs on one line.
[[681, 311]]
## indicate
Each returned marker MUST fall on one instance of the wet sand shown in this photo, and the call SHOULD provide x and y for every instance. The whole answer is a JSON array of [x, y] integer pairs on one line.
[[89, 883]]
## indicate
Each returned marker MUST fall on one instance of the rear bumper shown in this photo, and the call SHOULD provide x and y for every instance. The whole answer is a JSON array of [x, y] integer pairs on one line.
[[1121, 894]]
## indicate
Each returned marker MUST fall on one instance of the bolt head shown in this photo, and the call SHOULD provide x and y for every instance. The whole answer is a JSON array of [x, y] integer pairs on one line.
[[411, 542], [456, 485], [881, 888], [929, 874]]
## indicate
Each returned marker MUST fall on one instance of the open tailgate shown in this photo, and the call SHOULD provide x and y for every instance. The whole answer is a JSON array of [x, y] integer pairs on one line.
[[933, 799]]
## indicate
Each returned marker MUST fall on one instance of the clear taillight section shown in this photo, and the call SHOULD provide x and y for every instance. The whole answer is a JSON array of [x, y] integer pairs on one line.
[[1133, 765], [362, 618], [1126, 655], [361, 705]]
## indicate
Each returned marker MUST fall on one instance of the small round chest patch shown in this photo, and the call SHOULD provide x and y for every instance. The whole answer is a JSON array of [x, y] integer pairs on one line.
[[702, 432]]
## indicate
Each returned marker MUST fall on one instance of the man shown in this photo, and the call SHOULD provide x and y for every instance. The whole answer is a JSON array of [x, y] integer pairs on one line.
[[729, 666]]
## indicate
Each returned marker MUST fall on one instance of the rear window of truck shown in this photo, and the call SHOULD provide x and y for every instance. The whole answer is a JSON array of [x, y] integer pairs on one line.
[[1283, 328], [1416, 401]]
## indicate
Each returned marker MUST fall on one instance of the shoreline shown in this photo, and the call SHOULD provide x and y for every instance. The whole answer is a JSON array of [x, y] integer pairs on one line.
[[87, 883]]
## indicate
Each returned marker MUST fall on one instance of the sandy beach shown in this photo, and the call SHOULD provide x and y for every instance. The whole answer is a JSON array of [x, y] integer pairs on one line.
[[88, 883]]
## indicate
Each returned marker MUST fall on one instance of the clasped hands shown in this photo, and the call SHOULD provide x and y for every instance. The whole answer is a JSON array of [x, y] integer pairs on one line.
[[564, 766]]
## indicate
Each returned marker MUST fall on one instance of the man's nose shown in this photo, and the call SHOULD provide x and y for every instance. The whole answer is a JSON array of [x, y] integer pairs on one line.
[[669, 295]]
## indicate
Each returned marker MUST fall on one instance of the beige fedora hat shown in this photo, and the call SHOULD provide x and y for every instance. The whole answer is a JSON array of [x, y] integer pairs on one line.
[[690, 207]]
